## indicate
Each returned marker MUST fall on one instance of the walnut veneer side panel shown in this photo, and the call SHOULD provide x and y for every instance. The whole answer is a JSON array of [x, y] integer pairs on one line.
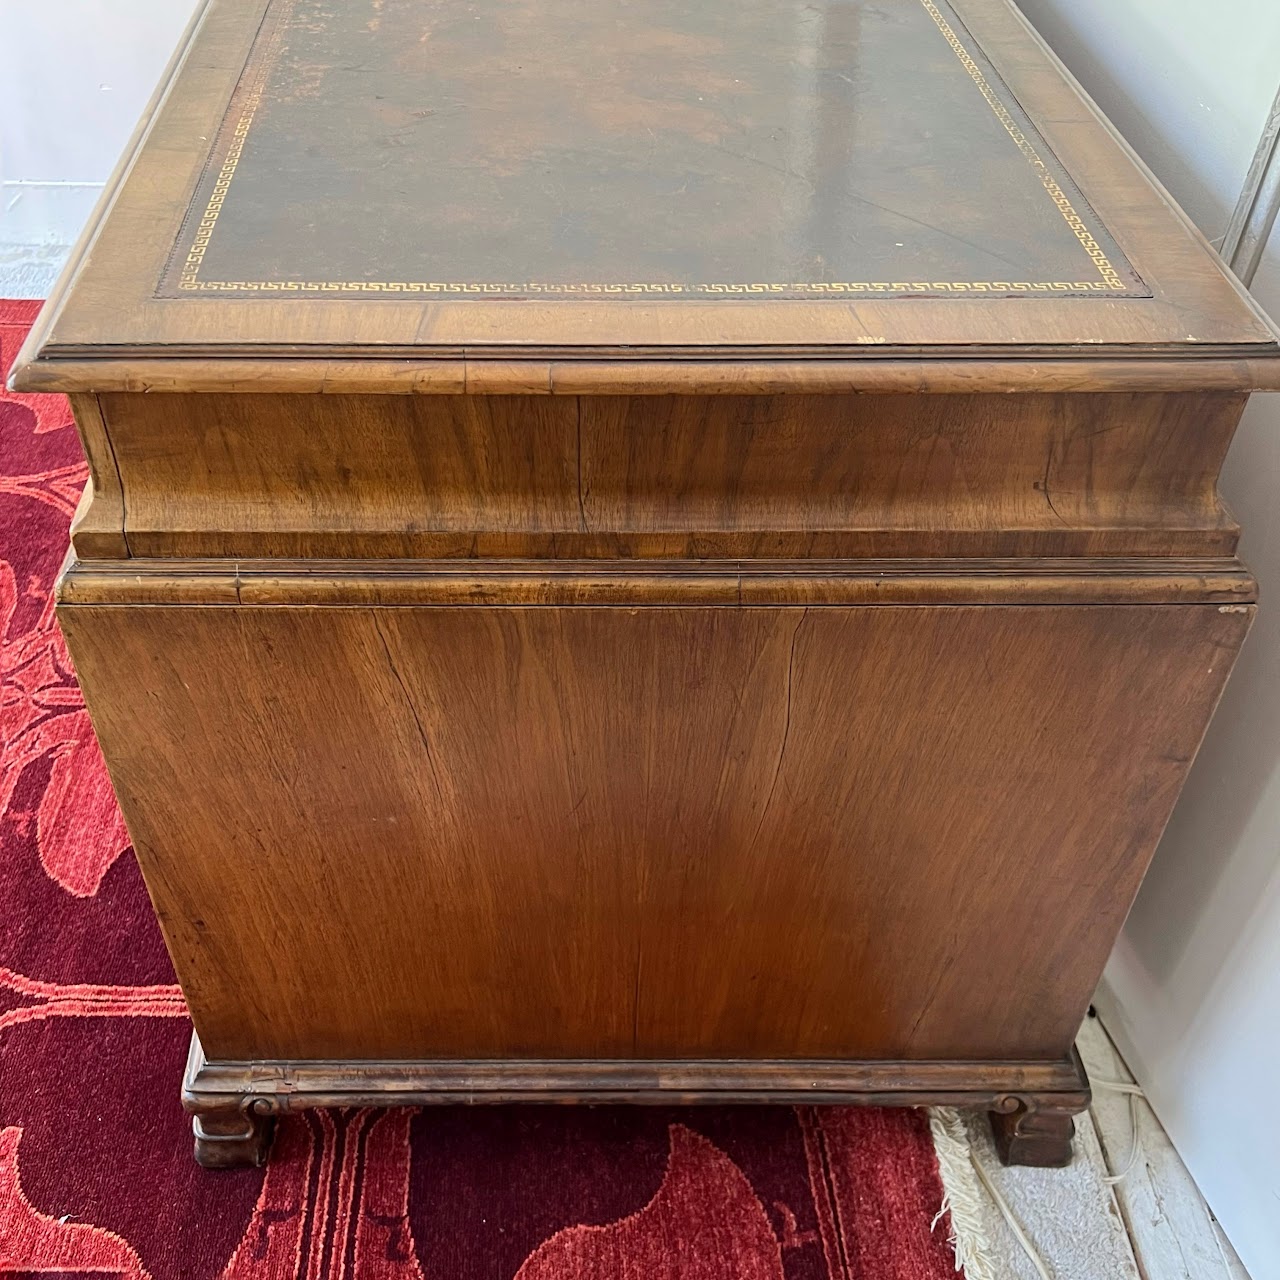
[[859, 833], [249, 475]]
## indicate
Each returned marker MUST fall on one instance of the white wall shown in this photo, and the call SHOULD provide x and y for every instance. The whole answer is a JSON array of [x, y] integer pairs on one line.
[[74, 77], [1193, 989]]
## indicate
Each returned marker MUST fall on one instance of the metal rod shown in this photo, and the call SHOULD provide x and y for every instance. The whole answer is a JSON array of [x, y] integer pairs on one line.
[[1255, 212]]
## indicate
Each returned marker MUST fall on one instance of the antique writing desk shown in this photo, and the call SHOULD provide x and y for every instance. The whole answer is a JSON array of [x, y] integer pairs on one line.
[[643, 550]]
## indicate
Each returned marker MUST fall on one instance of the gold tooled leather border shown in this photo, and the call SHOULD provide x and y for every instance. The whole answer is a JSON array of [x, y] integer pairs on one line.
[[1104, 278]]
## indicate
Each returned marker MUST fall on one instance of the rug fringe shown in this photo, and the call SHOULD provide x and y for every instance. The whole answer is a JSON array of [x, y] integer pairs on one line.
[[961, 1196]]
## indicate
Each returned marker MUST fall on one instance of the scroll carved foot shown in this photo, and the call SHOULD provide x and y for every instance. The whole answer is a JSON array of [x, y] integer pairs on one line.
[[1036, 1133], [231, 1138]]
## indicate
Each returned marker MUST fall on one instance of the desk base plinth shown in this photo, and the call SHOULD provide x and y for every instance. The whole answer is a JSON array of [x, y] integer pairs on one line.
[[234, 1104]]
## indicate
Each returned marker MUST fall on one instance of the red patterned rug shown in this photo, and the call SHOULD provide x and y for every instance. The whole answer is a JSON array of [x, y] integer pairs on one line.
[[96, 1172]]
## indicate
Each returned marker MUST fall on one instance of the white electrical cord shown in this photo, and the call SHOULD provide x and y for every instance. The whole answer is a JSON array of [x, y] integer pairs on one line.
[[1135, 1144], [1007, 1214], [1134, 1092]]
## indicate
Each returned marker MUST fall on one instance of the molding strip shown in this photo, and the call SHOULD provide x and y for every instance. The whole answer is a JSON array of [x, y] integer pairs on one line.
[[655, 583], [276, 1087]]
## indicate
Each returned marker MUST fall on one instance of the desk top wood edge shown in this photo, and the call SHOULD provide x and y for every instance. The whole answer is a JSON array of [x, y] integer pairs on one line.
[[1200, 331]]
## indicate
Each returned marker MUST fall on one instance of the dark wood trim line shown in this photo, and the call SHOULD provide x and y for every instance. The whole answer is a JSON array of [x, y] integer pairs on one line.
[[516, 372], [234, 1104], [276, 1087], [656, 583]]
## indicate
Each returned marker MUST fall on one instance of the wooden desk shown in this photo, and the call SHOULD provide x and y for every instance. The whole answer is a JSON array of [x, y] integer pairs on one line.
[[643, 550]]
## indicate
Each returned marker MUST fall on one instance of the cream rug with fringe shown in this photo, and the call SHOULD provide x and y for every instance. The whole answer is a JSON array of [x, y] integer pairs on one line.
[[1068, 1217]]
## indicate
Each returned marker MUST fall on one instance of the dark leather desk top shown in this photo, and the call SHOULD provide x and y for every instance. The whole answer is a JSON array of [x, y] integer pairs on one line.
[[641, 180], [657, 149]]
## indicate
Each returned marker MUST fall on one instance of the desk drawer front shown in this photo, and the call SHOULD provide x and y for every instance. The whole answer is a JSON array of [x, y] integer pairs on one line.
[[661, 476]]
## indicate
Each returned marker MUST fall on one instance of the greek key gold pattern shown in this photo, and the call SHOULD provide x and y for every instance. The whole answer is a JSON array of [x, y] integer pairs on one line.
[[204, 229], [222, 183], [189, 281], [607, 290], [1056, 194]]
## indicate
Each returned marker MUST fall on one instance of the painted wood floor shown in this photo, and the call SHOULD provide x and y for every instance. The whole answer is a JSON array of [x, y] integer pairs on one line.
[[1171, 1233]]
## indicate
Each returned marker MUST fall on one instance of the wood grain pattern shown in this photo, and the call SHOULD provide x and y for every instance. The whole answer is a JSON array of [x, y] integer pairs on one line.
[[276, 1087], [833, 832], [767, 698], [643, 584], [234, 1104], [686, 477], [784, 371], [98, 527], [110, 318]]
